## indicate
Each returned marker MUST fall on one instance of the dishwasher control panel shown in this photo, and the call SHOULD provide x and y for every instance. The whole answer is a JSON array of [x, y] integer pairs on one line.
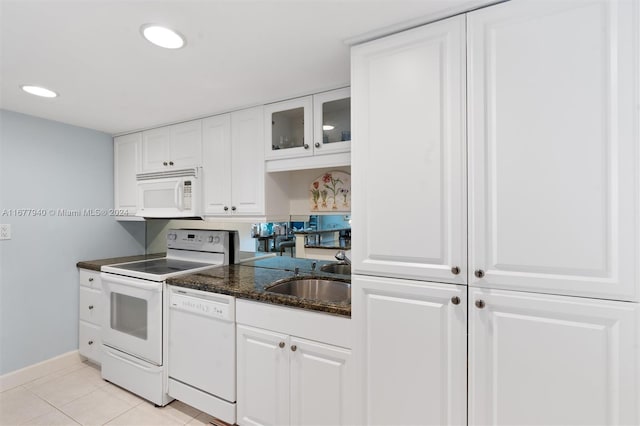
[[211, 305]]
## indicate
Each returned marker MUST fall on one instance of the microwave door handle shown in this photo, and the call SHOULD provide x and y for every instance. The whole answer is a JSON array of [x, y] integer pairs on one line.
[[180, 195]]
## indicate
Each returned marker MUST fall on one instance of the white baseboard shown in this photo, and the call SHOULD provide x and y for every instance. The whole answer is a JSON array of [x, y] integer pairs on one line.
[[32, 372]]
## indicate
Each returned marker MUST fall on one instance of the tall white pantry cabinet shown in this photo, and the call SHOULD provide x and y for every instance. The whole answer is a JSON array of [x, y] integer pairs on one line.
[[496, 194]]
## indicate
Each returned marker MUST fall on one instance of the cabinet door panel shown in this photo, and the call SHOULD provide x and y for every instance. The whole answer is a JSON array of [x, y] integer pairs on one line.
[[288, 128], [408, 159], [411, 351], [89, 342], [542, 359], [216, 150], [186, 144], [126, 156], [247, 161], [553, 146], [321, 384], [155, 149], [263, 377], [333, 110]]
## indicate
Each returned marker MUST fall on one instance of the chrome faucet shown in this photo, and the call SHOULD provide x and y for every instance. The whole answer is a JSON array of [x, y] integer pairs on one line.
[[342, 257], [313, 266]]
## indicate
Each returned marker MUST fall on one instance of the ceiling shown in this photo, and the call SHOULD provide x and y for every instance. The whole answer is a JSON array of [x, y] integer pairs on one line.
[[239, 53]]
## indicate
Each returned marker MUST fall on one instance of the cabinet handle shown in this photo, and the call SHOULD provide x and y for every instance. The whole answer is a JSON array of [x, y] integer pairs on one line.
[[164, 163], [233, 208], [281, 344], [306, 146], [226, 208], [294, 348], [317, 145], [480, 304], [171, 163], [455, 300], [90, 307], [90, 342], [455, 270], [90, 279], [479, 273]]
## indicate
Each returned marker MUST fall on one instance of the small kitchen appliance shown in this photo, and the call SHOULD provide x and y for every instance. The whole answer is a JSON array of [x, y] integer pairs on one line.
[[170, 194], [135, 324]]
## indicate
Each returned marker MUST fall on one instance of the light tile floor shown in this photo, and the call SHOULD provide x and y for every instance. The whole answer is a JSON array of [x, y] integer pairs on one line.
[[78, 395]]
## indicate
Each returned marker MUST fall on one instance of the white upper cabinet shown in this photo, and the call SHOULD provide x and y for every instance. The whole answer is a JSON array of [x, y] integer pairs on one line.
[[552, 360], [216, 155], [332, 121], [235, 183], [553, 147], [247, 162], [126, 164], [408, 162], [309, 132], [289, 128], [172, 147]]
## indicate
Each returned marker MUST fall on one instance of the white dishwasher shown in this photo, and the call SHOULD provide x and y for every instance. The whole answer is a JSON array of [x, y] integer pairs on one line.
[[202, 351]]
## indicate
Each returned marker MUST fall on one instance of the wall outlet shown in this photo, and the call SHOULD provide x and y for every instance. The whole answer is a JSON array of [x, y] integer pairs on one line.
[[5, 231]]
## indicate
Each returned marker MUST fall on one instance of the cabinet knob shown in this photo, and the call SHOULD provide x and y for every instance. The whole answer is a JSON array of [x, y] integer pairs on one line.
[[171, 163], [164, 163], [480, 304], [294, 348], [317, 145], [90, 279], [226, 208], [281, 344], [90, 342], [306, 146], [479, 273], [455, 300], [233, 208], [455, 270], [90, 307]]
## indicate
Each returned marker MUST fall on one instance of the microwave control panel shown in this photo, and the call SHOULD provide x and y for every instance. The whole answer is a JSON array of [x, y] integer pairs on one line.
[[186, 197]]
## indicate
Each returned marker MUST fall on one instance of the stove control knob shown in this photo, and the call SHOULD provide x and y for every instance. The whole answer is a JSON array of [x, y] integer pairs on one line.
[[172, 237], [210, 238]]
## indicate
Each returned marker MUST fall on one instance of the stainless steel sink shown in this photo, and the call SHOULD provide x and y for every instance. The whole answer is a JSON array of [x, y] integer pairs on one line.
[[324, 289], [342, 268]]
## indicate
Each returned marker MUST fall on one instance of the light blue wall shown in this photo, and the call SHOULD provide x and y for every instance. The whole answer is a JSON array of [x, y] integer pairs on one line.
[[49, 165]]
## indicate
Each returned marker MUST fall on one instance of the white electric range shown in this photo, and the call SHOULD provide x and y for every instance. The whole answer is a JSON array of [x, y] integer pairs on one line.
[[134, 329]]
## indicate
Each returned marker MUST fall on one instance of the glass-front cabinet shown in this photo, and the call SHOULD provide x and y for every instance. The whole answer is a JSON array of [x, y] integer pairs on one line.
[[332, 121], [312, 125], [289, 128]]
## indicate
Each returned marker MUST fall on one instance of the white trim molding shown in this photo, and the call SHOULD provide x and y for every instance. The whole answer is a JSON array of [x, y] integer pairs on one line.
[[32, 372]]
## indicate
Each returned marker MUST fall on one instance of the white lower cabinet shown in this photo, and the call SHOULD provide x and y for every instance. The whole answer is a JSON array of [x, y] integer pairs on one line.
[[288, 380], [411, 351], [552, 360], [90, 315], [263, 377]]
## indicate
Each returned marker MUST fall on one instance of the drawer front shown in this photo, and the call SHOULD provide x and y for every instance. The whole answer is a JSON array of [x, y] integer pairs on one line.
[[89, 343], [90, 308], [90, 279]]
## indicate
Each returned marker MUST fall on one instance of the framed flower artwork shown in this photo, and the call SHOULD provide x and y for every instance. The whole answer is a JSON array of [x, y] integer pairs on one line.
[[331, 192]]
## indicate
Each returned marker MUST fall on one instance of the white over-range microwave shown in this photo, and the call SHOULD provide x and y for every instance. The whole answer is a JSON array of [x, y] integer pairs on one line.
[[176, 193]]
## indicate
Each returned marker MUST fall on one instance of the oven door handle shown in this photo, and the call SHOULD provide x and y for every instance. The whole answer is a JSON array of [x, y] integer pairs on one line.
[[142, 284], [122, 359]]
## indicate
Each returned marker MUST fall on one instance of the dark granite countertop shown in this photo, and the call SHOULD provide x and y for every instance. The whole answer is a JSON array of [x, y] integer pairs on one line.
[[96, 264], [248, 280]]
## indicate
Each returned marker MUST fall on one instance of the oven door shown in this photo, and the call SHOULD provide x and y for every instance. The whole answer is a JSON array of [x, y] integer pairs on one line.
[[132, 320]]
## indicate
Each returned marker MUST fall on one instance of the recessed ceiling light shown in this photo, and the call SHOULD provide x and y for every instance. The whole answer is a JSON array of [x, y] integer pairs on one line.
[[327, 127], [162, 36], [39, 91]]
